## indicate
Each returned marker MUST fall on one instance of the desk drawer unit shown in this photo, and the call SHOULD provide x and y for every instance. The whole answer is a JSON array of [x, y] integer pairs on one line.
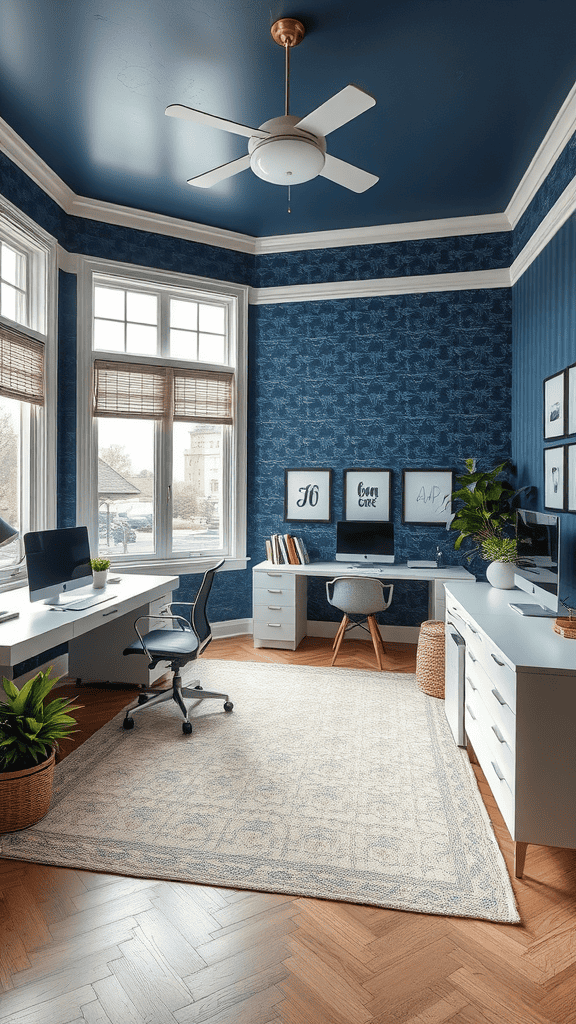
[[279, 608]]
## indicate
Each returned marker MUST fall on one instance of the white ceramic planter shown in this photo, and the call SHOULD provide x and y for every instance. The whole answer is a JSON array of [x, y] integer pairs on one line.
[[501, 575], [99, 579]]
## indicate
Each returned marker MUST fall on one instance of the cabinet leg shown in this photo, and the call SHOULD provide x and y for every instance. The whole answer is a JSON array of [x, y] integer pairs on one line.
[[519, 858]]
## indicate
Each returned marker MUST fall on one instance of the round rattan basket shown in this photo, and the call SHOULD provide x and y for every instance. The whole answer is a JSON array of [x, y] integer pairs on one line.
[[430, 657], [565, 627], [25, 795]]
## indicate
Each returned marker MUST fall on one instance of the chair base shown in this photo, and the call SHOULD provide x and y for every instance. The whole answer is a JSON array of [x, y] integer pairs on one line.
[[178, 694], [347, 623]]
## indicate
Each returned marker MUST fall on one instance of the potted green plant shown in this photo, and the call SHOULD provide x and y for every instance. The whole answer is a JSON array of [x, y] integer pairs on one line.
[[485, 513], [100, 567], [30, 728]]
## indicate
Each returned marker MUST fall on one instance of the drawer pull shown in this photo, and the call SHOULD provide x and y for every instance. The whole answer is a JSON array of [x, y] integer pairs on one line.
[[274, 607], [497, 771], [274, 574], [274, 591], [471, 713], [494, 658], [113, 611], [498, 734], [470, 683], [275, 625], [499, 698], [471, 656], [475, 631]]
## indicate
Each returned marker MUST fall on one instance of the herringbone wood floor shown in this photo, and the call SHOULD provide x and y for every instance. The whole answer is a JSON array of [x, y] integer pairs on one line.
[[82, 947]]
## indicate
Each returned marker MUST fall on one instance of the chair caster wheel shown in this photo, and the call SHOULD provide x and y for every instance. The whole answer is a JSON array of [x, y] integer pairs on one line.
[[228, 705], [198, 687], [186, 728], [128, 723], [143, 698]]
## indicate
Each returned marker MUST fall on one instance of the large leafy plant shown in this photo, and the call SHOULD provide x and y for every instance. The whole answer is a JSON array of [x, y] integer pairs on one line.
[[484, 510], [29, 727]]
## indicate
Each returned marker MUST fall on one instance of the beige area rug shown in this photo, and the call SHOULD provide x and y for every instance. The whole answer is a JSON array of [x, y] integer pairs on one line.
[[321, 782]]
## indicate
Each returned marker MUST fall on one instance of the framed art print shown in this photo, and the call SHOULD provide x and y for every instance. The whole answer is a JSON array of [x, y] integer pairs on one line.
[[555, 478], [571, 477], [554, 406], [571, 399], [367, 494], [307, 495], [427, 496]]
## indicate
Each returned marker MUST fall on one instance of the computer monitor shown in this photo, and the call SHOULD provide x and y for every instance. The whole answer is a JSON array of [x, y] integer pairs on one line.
[[538, 542], [58, 561], [364, 542]]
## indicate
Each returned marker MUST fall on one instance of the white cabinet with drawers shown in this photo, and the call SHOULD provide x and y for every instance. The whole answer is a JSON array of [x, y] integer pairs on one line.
[[279, 608], [520, 714]]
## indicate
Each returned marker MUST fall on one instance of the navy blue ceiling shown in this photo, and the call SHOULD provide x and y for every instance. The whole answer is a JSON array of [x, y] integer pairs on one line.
[[465, 90]]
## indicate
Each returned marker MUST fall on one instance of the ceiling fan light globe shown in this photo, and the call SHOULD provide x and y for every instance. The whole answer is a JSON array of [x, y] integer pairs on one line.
[[287, 161]]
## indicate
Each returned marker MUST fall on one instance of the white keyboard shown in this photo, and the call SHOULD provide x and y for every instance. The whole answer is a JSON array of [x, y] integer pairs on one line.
[[421, 565], [86, 602]]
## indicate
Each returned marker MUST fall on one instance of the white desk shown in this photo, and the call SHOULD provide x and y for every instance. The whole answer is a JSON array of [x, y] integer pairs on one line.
[[280, 594], [96, 637], [519, 713]]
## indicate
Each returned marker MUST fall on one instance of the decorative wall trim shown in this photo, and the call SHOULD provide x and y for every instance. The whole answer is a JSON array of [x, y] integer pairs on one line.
[[232, 627], [563, 208], [21, 154], [322, 292], [556, 138], [393, 634]]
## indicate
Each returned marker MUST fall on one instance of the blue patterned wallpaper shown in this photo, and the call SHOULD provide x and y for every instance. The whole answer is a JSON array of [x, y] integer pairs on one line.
[[398, 382], [551, 189], [392, 259]]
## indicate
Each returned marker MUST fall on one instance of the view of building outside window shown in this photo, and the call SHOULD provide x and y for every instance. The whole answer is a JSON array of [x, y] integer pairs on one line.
[[126, 487], [11, 417], [12, 284]]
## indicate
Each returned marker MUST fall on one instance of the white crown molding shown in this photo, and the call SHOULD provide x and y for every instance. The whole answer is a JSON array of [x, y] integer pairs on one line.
[[384, 233], [552, 145], [380, 286], [28, 161], [563, 208]]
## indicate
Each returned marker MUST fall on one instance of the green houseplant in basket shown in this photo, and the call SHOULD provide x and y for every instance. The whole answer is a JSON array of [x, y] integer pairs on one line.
[[30, 729]]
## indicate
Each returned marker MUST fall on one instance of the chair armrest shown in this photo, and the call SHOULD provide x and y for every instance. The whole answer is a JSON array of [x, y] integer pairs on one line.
[[179, 618]]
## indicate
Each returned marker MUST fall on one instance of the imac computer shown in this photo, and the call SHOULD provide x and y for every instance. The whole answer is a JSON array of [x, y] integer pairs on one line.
[[58, 562], [364, 543], [538, 540]]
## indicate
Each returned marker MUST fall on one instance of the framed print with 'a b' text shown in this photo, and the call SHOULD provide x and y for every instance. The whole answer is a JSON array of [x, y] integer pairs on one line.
[[367, 494], [307, 495]]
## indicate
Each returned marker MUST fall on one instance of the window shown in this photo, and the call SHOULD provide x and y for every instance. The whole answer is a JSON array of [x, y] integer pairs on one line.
[[162, 415], [27, 381]]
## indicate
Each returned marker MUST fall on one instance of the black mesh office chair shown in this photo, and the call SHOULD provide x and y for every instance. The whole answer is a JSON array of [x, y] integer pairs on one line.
[[177, 646]]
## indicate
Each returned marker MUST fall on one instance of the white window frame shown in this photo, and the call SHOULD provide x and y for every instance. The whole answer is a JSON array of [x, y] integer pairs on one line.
[[234, 497], [40, 249]]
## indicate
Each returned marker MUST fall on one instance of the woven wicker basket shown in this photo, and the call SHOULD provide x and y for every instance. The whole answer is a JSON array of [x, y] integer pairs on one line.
[[25, 795], [565, 627], [430, 658]]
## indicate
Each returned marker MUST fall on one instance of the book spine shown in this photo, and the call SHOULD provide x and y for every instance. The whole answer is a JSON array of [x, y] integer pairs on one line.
[[292, 553]]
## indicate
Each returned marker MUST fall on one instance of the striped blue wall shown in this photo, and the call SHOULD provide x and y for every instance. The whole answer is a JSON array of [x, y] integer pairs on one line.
[[544, 342]]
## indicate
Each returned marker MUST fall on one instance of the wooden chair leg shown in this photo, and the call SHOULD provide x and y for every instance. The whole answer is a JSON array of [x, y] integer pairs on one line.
[[339, 632], [340, 637], [376, 638]]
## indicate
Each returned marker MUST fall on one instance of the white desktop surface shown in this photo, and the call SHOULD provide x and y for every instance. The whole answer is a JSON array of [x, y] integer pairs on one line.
[[40, 627], [388, 570], [527, 642]]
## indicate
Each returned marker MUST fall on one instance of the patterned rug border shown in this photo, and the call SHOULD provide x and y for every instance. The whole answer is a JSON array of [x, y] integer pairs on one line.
[[40, 843]]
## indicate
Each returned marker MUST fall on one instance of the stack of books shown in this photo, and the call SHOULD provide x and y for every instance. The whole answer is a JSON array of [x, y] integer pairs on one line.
[[283, 548]]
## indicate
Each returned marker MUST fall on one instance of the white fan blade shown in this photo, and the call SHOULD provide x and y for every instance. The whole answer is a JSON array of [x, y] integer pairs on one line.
[[347, 175], [338, 110], [200, 117], [212, 177]]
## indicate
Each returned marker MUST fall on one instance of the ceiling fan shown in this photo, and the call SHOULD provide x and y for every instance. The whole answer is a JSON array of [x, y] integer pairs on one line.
[[289, 150]]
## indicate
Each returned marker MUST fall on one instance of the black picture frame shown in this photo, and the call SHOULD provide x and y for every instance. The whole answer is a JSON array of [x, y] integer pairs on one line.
[[367, 495], [571, 400], [554, 406], [307, 495], [571, 477], [555, 478], [427, 496]]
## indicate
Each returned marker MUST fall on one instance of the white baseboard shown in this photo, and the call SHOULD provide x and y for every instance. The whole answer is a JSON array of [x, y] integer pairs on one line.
[[230, 628], [394, 634]]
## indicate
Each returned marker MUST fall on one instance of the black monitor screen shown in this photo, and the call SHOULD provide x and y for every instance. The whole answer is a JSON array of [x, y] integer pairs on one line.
[[57, 561], [365, 540]]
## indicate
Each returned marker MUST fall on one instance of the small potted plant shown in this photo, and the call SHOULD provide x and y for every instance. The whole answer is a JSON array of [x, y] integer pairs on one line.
[[485, 513], [100, 568], [30, 729]]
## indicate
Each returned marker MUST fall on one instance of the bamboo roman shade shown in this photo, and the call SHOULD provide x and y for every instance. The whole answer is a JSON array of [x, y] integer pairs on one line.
[[139, 391], [21, 367]]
